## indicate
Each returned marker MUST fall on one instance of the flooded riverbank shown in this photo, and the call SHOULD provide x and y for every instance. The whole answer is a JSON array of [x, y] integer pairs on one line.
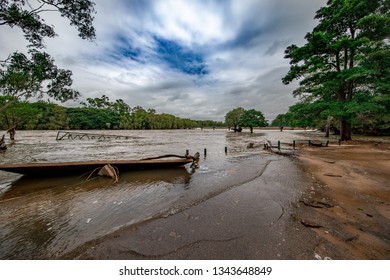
[[49, 218]]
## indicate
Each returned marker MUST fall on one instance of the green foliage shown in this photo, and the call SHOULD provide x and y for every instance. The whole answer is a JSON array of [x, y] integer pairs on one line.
[[371, 114], [280, 120], [367, 113], [209, 123], [139, 119], [97, 103], [162, 121], [51, 116], [239, 117], [92, 118], [94, 115], [233, 117], [23, 14], [345, 55], [21, 115], [36, 74], [34, 77], [39, 115], [252, 118]]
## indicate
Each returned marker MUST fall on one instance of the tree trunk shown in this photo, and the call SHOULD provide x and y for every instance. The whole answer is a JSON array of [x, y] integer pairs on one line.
[[327, 129], [342, 129], [345, 130], [327, 132], [345, 94], [348, 125], [348, 131]]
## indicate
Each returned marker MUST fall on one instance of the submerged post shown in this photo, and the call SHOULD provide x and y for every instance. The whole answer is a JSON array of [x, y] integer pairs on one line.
[[225, 150], [187, 152], [293, 144], [279, 145], [205, 152]]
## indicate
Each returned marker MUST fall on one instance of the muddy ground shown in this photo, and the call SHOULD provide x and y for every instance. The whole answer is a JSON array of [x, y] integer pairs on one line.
[[348, 205]]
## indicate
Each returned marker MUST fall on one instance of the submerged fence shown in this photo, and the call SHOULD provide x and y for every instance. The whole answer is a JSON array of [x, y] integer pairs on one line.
[[70, 135], [294, 145]]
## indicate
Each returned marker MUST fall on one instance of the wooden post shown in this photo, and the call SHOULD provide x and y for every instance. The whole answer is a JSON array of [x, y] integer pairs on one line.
[[187, 152], [339, 142], [225, 150], [205, 152], [294, 145], [309, 142], [279, 145]]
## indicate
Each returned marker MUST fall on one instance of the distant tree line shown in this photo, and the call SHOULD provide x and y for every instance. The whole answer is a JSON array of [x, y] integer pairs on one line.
[[369, 115], [95, 113]]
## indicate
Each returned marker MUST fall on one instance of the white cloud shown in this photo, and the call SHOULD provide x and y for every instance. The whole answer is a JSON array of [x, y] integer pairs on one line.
[[241, 43]]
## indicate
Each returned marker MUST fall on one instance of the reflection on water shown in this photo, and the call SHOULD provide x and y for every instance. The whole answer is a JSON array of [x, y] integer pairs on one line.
[[43, 218]]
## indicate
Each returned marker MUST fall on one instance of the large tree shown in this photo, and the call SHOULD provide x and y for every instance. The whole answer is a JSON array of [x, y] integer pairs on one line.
[[342, 58], [233, 117], [252, 118], [34, 73]]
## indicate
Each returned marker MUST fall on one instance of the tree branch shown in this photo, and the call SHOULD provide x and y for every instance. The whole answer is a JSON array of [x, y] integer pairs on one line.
[[28, 3], [36, 10], [8, 103], [50, 4], [332, 64], [6, 60], [338, 61]]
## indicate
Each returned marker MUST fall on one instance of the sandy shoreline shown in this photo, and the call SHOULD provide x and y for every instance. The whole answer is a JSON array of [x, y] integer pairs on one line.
[[340, 210], [348, 206]]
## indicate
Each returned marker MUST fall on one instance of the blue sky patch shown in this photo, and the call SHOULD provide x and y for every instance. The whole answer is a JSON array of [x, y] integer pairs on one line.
[[180, 58], [125, 49]]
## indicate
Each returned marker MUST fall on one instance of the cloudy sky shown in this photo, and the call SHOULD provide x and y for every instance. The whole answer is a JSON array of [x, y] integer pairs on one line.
[[195, 59]]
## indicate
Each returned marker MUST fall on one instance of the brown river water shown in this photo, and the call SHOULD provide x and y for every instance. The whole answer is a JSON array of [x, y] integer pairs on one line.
[[45, 218]]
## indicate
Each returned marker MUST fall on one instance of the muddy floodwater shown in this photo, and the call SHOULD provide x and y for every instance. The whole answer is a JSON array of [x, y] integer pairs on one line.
[[47, 218]]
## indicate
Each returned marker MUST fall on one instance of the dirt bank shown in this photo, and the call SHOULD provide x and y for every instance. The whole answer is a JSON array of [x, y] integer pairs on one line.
[[348, 206]]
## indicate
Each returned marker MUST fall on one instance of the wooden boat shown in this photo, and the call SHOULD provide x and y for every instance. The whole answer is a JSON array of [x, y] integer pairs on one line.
[[55, 168]]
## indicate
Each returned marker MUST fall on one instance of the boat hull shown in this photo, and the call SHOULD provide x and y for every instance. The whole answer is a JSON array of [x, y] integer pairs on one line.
[[48, 169]]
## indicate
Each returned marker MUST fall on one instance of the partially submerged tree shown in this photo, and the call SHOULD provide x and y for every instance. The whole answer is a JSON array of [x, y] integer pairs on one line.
[[233, 117], [252, 118], [36, 74], [345, 56], [239, 118]]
